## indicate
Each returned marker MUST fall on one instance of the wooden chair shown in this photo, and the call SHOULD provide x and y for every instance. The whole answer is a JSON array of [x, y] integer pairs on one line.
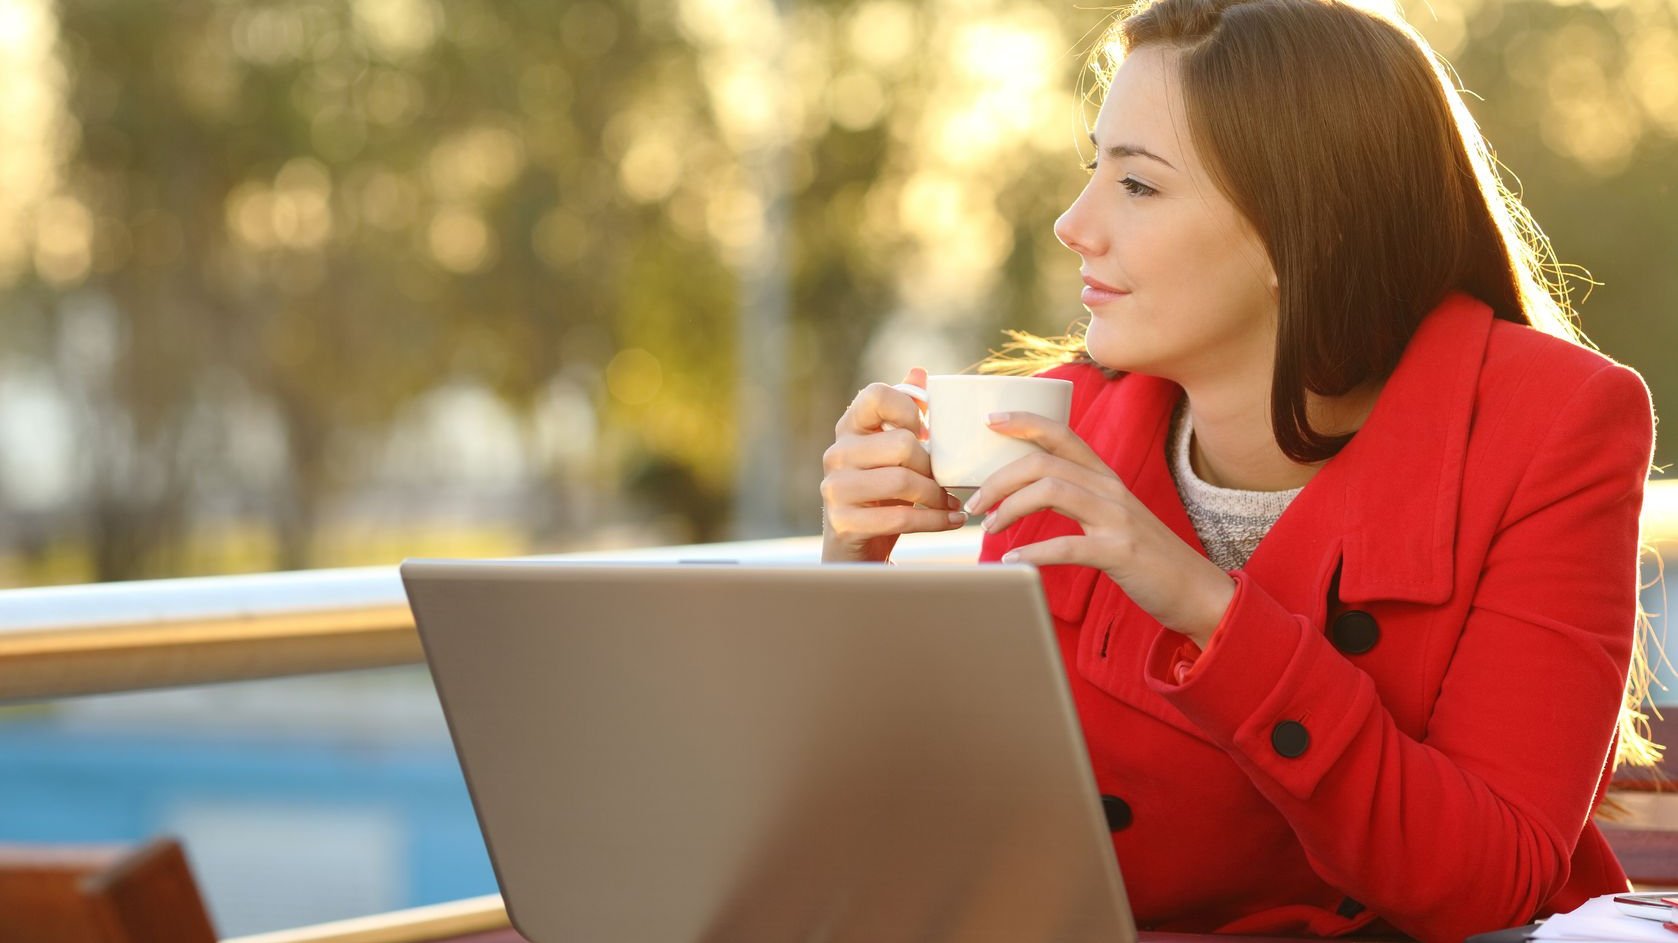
[[101, 895]]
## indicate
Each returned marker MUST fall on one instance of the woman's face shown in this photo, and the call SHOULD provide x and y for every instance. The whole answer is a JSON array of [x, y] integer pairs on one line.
[[1194, 292]]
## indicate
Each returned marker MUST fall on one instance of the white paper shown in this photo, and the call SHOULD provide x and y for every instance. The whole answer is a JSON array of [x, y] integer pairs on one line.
[[1598, 919]]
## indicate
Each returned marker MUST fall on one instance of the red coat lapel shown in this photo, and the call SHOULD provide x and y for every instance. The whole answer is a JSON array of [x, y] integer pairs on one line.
[[1402, 474]]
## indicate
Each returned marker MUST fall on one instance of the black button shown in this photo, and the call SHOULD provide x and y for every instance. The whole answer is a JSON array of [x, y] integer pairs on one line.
[[1354, 632], [1290, 738], [1118, 812]]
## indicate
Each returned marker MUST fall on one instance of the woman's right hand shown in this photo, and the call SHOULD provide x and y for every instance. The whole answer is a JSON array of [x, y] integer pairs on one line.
[[877, 478]]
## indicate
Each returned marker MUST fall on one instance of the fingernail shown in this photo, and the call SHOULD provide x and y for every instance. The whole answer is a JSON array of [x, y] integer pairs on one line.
[[952, 502], [972, 503], [990, 521], [995, 418], [958, 518], [1012, 556]]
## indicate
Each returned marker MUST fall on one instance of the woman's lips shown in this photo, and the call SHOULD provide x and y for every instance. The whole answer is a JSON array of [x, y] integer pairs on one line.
[[1098, 293]]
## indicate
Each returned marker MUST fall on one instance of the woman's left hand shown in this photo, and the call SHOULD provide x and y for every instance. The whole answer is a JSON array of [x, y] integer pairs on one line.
[[1173, 583]]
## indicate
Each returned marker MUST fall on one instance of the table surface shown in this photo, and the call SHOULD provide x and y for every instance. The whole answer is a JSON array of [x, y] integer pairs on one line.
[[510, 936]]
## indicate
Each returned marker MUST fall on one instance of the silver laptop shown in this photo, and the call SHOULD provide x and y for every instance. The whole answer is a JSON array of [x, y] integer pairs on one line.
[[705, 753]]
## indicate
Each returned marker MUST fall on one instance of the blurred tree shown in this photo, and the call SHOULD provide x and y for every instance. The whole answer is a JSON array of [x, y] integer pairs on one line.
[[261, 231]]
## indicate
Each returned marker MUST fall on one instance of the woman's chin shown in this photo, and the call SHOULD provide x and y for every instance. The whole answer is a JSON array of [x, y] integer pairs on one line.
[[1128, 360], [1112, 352]]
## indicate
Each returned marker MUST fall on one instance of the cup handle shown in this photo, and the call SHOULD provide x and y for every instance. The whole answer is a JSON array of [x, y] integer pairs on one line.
[[916, 393]]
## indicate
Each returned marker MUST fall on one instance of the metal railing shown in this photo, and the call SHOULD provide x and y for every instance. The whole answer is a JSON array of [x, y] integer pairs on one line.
[[65, 641], [434, 922], [74, 640]]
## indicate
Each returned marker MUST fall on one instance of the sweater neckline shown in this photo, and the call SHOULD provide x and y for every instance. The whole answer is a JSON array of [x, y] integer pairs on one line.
[[1199, 493]]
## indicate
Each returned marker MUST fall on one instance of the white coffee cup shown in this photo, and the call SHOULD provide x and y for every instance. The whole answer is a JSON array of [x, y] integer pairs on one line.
[[965, 450]]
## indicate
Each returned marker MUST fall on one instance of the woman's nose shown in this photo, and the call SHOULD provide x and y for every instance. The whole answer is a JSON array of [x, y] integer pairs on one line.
[[1073, 228]]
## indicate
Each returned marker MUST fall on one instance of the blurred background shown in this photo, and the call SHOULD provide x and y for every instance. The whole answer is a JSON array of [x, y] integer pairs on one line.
[[303, 284], [295, 284]]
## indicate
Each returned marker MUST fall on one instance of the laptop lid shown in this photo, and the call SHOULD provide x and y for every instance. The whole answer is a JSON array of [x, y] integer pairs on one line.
[[786, 753]]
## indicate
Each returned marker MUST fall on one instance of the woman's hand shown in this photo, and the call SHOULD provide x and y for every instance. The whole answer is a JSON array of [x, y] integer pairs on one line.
[[1159, 572], [877, 478]]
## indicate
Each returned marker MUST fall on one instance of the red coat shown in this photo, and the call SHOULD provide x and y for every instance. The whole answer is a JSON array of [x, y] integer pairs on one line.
[[1408, 710]]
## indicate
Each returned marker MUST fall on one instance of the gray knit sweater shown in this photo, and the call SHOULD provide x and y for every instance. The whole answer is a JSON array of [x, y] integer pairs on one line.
[[1230, 522]]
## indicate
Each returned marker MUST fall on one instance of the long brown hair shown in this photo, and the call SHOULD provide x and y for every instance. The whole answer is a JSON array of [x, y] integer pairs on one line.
[[1339, 135]]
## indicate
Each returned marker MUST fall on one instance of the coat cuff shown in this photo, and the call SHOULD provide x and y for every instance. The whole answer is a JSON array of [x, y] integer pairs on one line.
[[1189, 655], [1269, 690]]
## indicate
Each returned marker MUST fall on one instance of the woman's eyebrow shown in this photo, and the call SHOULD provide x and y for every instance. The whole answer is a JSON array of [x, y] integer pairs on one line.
[[1131, 150]]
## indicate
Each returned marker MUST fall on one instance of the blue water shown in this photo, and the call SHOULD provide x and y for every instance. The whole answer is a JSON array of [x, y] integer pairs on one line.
[[282, 831]]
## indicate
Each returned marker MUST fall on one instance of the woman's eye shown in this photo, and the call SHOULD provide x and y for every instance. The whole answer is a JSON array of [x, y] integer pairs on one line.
[[1090, 166], [1137, 187]]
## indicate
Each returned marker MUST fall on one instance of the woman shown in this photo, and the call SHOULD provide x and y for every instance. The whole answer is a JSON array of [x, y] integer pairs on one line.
[[1341, 540]]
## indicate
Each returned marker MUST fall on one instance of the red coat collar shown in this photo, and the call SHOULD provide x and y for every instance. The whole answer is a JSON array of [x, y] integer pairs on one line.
[[1386, 506], [1406, 463]]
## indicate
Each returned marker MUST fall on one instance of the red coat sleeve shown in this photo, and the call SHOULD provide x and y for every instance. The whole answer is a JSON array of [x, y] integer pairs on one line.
[[1471, 827]]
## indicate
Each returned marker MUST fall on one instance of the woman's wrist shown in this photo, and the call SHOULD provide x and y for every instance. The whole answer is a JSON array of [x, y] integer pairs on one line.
[[1211, 603]]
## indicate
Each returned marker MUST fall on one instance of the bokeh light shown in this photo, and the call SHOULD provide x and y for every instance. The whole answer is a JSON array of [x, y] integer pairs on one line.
[[634, 377]]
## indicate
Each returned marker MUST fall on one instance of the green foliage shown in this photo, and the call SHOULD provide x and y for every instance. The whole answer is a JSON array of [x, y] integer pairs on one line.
[[316, 213]]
